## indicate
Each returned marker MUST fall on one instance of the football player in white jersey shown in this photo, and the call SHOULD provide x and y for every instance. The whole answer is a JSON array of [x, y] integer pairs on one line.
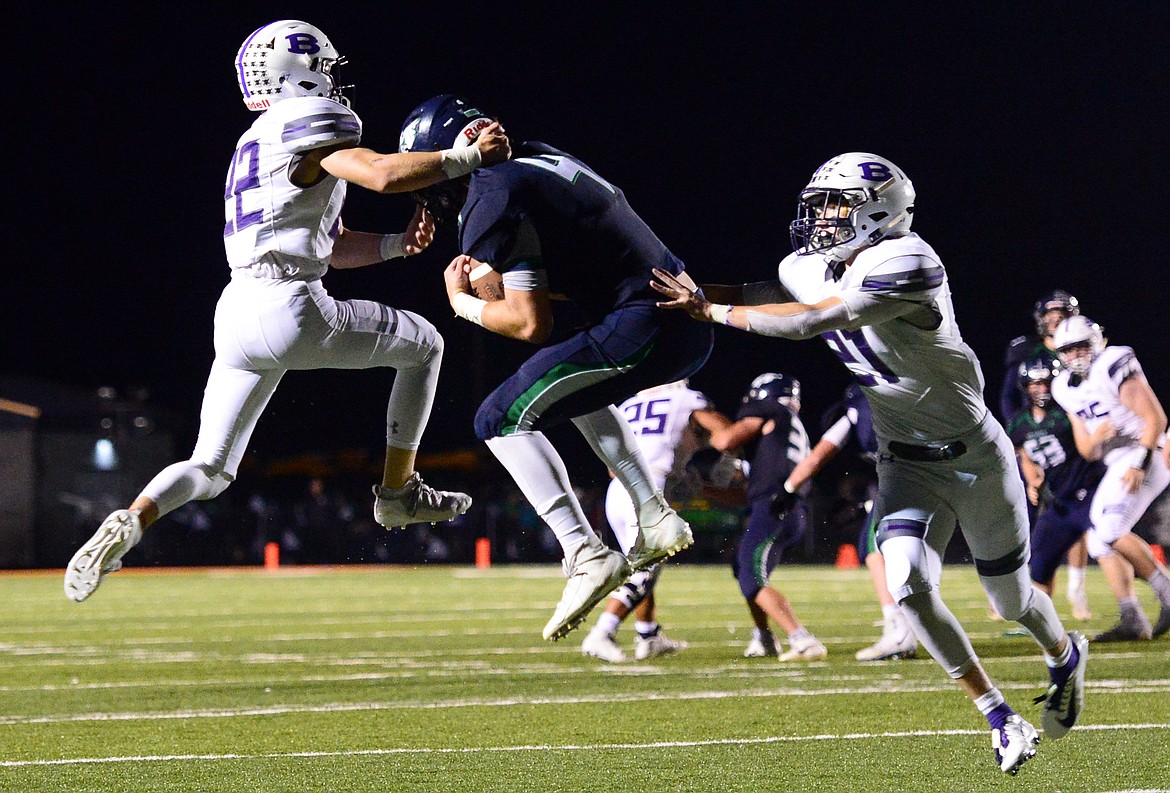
[[879, 296], [285, 187], [671, 423], [1116, 417]]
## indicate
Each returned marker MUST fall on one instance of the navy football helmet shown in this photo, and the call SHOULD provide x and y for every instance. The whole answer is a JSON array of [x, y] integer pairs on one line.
[[774, 387], [1040, 369], [1056, 300], [442, 122]]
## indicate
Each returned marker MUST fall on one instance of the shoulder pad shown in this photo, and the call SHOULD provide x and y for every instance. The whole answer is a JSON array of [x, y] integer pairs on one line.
[[313, 122], [912, 276]]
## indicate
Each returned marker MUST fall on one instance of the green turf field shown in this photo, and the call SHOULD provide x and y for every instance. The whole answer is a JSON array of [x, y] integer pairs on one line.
[[392, 679]]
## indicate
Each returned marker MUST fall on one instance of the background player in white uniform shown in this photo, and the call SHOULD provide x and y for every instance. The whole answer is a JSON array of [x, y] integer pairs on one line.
[[879, 296], [671, 423], [1116, 417], [285, 187]]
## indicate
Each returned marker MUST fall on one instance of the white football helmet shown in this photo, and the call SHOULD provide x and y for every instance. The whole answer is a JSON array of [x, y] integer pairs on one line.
[[1076, 330], [284, 59], [851, 202]]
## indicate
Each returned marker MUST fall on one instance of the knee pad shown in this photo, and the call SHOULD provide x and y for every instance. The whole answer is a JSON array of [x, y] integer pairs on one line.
[[639, 585], [909, 560], [1097, 545]]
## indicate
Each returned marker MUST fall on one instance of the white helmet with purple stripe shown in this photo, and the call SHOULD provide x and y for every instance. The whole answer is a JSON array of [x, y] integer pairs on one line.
[[284, 59], [1078, 331], [852, 201]]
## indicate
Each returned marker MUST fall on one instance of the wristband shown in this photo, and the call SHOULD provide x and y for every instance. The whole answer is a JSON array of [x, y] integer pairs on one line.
[[460, 162], [721, 313], [391, 246], [1147, 460], [468, 307]]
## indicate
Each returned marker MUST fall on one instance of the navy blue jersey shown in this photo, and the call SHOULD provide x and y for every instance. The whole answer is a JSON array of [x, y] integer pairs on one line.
[[854, 405], [1049, 443], [1020, 349], [545, 209], [774, 455]]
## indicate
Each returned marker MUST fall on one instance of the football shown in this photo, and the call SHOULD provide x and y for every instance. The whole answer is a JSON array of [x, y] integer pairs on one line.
[[486, 283]]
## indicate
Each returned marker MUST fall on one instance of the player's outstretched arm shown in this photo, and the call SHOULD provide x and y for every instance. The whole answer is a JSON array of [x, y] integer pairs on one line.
[[523, 315], [403, 172]]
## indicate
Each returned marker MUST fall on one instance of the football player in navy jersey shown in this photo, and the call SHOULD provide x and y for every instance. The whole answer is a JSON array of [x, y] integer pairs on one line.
[[852, 416], [878, 294], [552, 226], [772, 438], [1047, 313], [1060, 482], [286, 184]]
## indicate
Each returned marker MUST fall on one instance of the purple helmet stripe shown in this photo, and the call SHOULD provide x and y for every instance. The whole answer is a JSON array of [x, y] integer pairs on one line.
[[240, 58]]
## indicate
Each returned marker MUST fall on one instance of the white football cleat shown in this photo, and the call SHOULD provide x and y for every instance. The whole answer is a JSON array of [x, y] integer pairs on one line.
[[103, 554], [661, 534], [1064, 701], [593, 572], [809, 648], [1015, 744], [416, 502], [601, 645], [761, 647], [897, 641], [656, 645]]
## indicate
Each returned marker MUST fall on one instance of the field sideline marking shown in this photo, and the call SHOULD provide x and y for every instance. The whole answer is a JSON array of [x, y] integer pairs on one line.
[[856, 736]]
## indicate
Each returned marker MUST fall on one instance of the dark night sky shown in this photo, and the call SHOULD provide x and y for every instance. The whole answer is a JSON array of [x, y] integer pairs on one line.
[[1035, 134]]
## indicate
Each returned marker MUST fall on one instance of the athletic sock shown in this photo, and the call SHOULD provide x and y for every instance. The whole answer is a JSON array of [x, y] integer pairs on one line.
[[993, 706], [608, 624], [1160, 583], [798, 634], [646, 629], [1076, 581]]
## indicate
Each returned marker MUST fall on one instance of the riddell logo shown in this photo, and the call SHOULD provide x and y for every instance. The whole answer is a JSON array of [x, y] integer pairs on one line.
[[258, 103], [472, 130]]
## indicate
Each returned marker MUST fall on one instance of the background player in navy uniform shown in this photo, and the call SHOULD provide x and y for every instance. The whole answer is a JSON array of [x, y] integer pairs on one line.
[[551, 225], [1059, 480], [853, 416], [773, 439], [1047, 313]]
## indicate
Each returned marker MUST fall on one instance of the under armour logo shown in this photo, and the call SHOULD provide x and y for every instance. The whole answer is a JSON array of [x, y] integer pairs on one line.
[[393, 427], [303, 44]]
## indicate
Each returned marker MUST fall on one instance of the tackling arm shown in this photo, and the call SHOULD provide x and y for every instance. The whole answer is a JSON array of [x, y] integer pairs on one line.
[[404, 172], [784, 320]]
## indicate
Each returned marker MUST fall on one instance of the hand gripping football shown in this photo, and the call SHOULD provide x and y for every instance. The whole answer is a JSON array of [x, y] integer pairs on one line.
[[486, 283]]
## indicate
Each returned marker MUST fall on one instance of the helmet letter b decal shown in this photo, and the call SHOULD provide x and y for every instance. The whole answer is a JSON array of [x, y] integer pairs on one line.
[[874, 171], [303, 44]]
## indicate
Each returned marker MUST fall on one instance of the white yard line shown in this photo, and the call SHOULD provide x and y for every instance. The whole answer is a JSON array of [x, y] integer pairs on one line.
[[773, 739], [883, 689]]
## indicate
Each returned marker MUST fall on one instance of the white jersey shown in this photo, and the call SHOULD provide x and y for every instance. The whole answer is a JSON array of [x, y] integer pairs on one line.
[[661, 419], [275, 229], [923, 382], [1096, 397]]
